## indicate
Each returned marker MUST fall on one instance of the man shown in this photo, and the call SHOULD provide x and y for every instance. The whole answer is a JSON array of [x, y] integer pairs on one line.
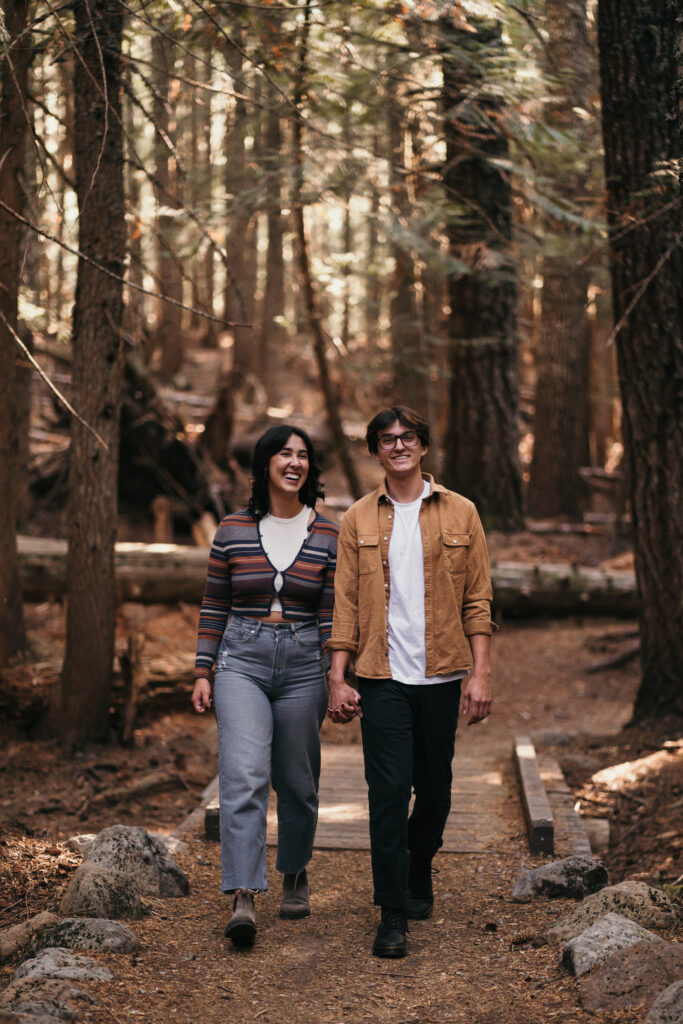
[[413, 607]]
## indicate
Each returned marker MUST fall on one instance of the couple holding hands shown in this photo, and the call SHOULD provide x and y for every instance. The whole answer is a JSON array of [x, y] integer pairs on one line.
[[403, 589]]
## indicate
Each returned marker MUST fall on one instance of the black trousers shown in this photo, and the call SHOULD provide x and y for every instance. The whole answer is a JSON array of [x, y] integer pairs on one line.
[[408, 741]]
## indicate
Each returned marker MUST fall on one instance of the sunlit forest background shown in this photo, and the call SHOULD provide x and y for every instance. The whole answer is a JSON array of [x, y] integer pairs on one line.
[[216, 216]]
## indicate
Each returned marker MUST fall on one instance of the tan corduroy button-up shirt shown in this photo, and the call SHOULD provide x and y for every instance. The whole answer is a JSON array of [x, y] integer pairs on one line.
[[457, 582]]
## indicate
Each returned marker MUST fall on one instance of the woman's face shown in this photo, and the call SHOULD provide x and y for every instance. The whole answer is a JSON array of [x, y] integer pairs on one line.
[[288, 468]]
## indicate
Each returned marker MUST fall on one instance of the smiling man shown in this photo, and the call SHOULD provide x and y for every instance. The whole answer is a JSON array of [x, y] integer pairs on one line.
[[413, 608]]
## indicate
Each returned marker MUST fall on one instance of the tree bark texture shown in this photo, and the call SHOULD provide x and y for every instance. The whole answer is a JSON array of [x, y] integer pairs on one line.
[[560, 423], [638, 65], [13, 132], [98, 160], [481, 455]]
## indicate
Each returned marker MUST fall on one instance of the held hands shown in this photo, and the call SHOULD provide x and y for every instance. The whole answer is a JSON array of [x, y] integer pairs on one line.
[[343, 703], [201, 695], [476, 701]]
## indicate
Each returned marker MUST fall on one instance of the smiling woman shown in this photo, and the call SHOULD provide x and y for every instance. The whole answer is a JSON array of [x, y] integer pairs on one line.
[[264, 622]]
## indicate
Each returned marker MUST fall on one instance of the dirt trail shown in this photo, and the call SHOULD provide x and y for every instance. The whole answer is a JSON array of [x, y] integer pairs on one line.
[[466, 964], [471, 962]]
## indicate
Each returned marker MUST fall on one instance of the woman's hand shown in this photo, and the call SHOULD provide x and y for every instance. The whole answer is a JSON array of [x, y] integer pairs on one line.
[[343, 702], [201, 695]]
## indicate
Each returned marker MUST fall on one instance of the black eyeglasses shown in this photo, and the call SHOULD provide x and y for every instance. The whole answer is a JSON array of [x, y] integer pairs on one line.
[[388, 441]]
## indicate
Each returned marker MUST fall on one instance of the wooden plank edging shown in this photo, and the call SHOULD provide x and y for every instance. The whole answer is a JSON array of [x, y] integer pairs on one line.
[[537, 812]]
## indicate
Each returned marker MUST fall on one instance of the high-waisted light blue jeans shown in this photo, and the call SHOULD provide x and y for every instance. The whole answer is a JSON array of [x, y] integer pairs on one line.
[[270, 697]]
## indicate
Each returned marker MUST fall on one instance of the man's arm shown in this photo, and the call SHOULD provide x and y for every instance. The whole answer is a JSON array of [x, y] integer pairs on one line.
[[477, 700]]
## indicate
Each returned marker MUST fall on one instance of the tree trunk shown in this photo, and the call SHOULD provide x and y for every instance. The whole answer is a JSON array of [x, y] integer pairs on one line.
[[169, 267], [13, 133], [272, 333], [640, 97], [373, 289], [408, 364], [481, 443], [301, 251], [98, 159], [560, 426], [240, 284]]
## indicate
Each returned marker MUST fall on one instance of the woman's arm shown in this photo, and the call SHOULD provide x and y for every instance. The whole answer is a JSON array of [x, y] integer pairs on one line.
[[213, 616]]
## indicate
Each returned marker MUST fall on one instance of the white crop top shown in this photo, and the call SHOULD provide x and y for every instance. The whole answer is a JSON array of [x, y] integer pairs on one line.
[[282, 540]]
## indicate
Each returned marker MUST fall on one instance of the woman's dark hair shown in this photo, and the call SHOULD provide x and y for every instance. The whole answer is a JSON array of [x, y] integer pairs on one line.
[[405, 416], [269, 444]]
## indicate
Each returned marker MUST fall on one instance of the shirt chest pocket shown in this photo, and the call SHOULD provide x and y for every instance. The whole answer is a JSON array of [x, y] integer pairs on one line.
[[368, 553], [455, 546]]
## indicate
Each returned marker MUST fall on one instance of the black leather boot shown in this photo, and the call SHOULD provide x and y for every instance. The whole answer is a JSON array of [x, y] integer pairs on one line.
[[390, 940]]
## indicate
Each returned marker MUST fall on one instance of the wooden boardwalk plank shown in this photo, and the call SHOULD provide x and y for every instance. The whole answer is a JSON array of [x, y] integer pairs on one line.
[[475, 825]]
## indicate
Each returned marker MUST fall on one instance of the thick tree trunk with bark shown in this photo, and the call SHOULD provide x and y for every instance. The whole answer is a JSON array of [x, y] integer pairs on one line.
[[481, 443], [560, 427], [640, 97], [98, 159], [13, 134]]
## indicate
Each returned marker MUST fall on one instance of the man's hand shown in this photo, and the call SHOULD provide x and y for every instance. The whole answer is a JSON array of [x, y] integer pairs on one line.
[[201, 695], [343, 700], [476, 701]]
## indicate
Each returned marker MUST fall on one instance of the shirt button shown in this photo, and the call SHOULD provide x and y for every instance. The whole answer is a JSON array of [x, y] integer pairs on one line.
[[386, 538], [384, 562], [386, 586], [390, 516]]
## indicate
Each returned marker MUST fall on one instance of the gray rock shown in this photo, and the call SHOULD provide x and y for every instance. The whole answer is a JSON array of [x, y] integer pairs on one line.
[[80, 842], [97, 891], [171, 844], [137, 854], [603, 938], [49, 995], [668, 1006], [573, 877], [650, 907], [57, 962], [91, 933], [20, 935], [632, 977]]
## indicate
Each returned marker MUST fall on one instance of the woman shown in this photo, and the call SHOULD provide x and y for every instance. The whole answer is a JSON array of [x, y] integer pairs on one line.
[[264, 620]]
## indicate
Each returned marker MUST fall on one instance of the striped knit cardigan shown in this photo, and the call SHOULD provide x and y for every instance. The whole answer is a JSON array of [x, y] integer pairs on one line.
[[240, 579]]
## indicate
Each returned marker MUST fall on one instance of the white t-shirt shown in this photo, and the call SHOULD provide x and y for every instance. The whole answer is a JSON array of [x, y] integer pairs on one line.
[[407, 657], [281, 540]]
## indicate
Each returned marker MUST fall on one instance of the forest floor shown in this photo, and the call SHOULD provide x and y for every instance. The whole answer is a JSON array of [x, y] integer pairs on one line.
[[472, 961]]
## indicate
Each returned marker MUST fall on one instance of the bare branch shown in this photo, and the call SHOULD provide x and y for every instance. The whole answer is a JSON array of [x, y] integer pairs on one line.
[[65, 402], [117, 277]]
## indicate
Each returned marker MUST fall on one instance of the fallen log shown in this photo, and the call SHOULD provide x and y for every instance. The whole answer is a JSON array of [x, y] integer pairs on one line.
[[166, 573]]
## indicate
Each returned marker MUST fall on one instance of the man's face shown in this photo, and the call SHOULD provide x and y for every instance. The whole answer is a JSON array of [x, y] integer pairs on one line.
[[402, 458]]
